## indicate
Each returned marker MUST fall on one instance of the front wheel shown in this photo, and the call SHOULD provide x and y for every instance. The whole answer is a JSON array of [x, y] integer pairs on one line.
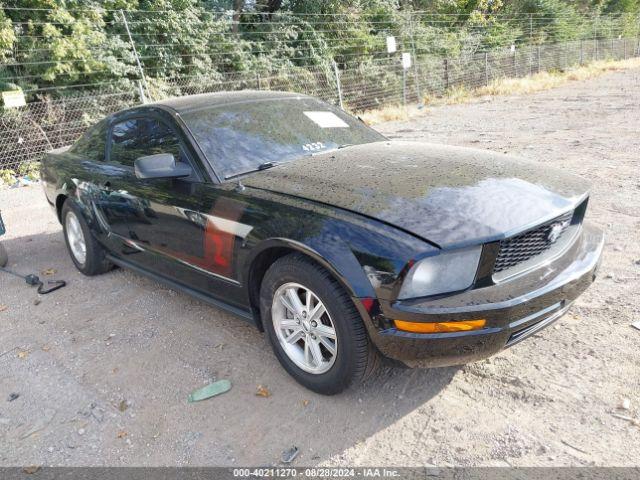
[[315, 330]]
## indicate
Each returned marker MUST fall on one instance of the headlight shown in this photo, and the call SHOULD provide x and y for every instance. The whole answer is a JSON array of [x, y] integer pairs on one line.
[[446, 272]]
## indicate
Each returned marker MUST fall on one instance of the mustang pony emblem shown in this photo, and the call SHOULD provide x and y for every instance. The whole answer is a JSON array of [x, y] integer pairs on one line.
[[556, 230]]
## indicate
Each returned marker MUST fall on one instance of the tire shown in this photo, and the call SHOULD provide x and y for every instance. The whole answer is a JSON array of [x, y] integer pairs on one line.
[[354, 358], [94, 261], [4, 258]]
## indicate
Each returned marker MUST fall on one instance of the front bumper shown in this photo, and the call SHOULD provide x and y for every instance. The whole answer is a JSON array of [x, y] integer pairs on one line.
[[513, 309]]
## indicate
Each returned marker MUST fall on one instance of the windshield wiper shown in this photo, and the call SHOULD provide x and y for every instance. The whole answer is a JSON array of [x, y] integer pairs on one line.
[[262, 166], [328, 150]]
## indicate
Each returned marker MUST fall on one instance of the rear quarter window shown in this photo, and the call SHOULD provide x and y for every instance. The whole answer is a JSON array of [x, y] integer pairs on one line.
[[91, 145]]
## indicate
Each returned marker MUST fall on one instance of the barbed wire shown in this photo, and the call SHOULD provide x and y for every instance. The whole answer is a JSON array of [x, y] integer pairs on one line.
[[309, 14], [26, 133], [120, 62]]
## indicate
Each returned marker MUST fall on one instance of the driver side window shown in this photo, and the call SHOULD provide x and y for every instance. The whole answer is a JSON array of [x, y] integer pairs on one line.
[[139, 137]]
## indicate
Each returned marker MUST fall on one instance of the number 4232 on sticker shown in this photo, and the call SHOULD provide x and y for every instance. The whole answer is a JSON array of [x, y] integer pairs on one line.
[[312, 147]]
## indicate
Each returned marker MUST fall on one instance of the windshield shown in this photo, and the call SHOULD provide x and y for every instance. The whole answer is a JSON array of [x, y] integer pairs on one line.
[[242, 137]]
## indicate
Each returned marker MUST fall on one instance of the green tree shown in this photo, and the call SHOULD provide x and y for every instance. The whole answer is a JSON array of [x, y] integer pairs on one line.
[[7, 35]]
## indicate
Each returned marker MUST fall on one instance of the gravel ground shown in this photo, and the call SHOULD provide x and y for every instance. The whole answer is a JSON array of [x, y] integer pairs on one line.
[[103, 367]]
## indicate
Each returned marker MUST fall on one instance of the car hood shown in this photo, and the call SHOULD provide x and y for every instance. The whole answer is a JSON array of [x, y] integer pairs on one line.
[[450, 196]]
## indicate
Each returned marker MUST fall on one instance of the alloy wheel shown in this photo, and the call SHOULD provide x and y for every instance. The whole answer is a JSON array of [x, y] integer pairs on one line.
[[75, 237], [304, 328]]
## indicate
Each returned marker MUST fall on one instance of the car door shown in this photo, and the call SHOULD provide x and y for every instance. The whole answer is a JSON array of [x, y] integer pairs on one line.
[[94, 181], [173, 228]]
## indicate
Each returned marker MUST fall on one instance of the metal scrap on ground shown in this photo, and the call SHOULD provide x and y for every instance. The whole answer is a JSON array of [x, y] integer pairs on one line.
[[289, 455]]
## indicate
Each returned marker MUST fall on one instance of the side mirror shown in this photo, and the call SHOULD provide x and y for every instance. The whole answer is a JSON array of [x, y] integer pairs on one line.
[[161, 165]]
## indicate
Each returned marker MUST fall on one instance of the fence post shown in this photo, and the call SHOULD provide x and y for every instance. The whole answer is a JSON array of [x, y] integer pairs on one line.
[[595, 36], [486, 68], [416, 71], [338, 85], [258, 82], [446, 74], [613, 49], [538, 52], [515, 63], [404, 86], [143, 97], [143, 79], [581, 53], [530, 43], [624, 47]]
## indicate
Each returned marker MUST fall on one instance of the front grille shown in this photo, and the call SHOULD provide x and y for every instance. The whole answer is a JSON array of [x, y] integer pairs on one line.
[[522, 247]]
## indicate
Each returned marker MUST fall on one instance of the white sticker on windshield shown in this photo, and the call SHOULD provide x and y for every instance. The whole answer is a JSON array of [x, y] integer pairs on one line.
[[326, 119]]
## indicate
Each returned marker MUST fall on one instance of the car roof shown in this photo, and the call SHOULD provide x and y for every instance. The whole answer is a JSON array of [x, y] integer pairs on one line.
[[195, 102]]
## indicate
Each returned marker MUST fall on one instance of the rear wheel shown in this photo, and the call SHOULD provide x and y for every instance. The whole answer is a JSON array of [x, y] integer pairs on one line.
[[85, 251], [315, 330]]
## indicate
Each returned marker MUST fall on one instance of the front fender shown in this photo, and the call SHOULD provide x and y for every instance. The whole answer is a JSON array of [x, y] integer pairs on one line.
[[365, 255], [334, 255]]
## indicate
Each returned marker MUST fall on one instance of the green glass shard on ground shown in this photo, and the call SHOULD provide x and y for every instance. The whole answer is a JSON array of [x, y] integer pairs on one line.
[[211, 390]]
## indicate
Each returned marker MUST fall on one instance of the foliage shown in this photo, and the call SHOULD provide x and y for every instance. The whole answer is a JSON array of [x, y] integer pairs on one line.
[[7, 36], [7, 176], [80, 44], [30, 170]]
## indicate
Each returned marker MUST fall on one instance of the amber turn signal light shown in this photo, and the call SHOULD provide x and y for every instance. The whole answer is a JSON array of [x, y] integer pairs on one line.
[[439, 327]]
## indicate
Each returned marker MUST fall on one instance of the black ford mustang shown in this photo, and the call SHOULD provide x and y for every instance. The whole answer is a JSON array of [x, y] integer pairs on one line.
[[340, 244]]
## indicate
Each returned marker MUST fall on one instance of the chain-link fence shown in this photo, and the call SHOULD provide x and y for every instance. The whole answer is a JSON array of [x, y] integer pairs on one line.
[[355, 82]]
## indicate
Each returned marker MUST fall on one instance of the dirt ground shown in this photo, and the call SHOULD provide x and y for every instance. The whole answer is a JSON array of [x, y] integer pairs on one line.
[[103, 367]]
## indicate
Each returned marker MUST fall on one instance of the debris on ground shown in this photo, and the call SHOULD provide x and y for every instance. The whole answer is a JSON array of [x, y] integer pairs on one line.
[[49, 271], [31, 469], [13, 396], [8, 352], [305, 403], [34, 281], [263, 392], [23, 354], [36, 301], [574, 447], [41, 424], [121, 434], [211, 390], [289, 455], [631, 420], [636, 325], [123, 405], [97, 413], [45, 348], [3, 307], [625, 404]]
